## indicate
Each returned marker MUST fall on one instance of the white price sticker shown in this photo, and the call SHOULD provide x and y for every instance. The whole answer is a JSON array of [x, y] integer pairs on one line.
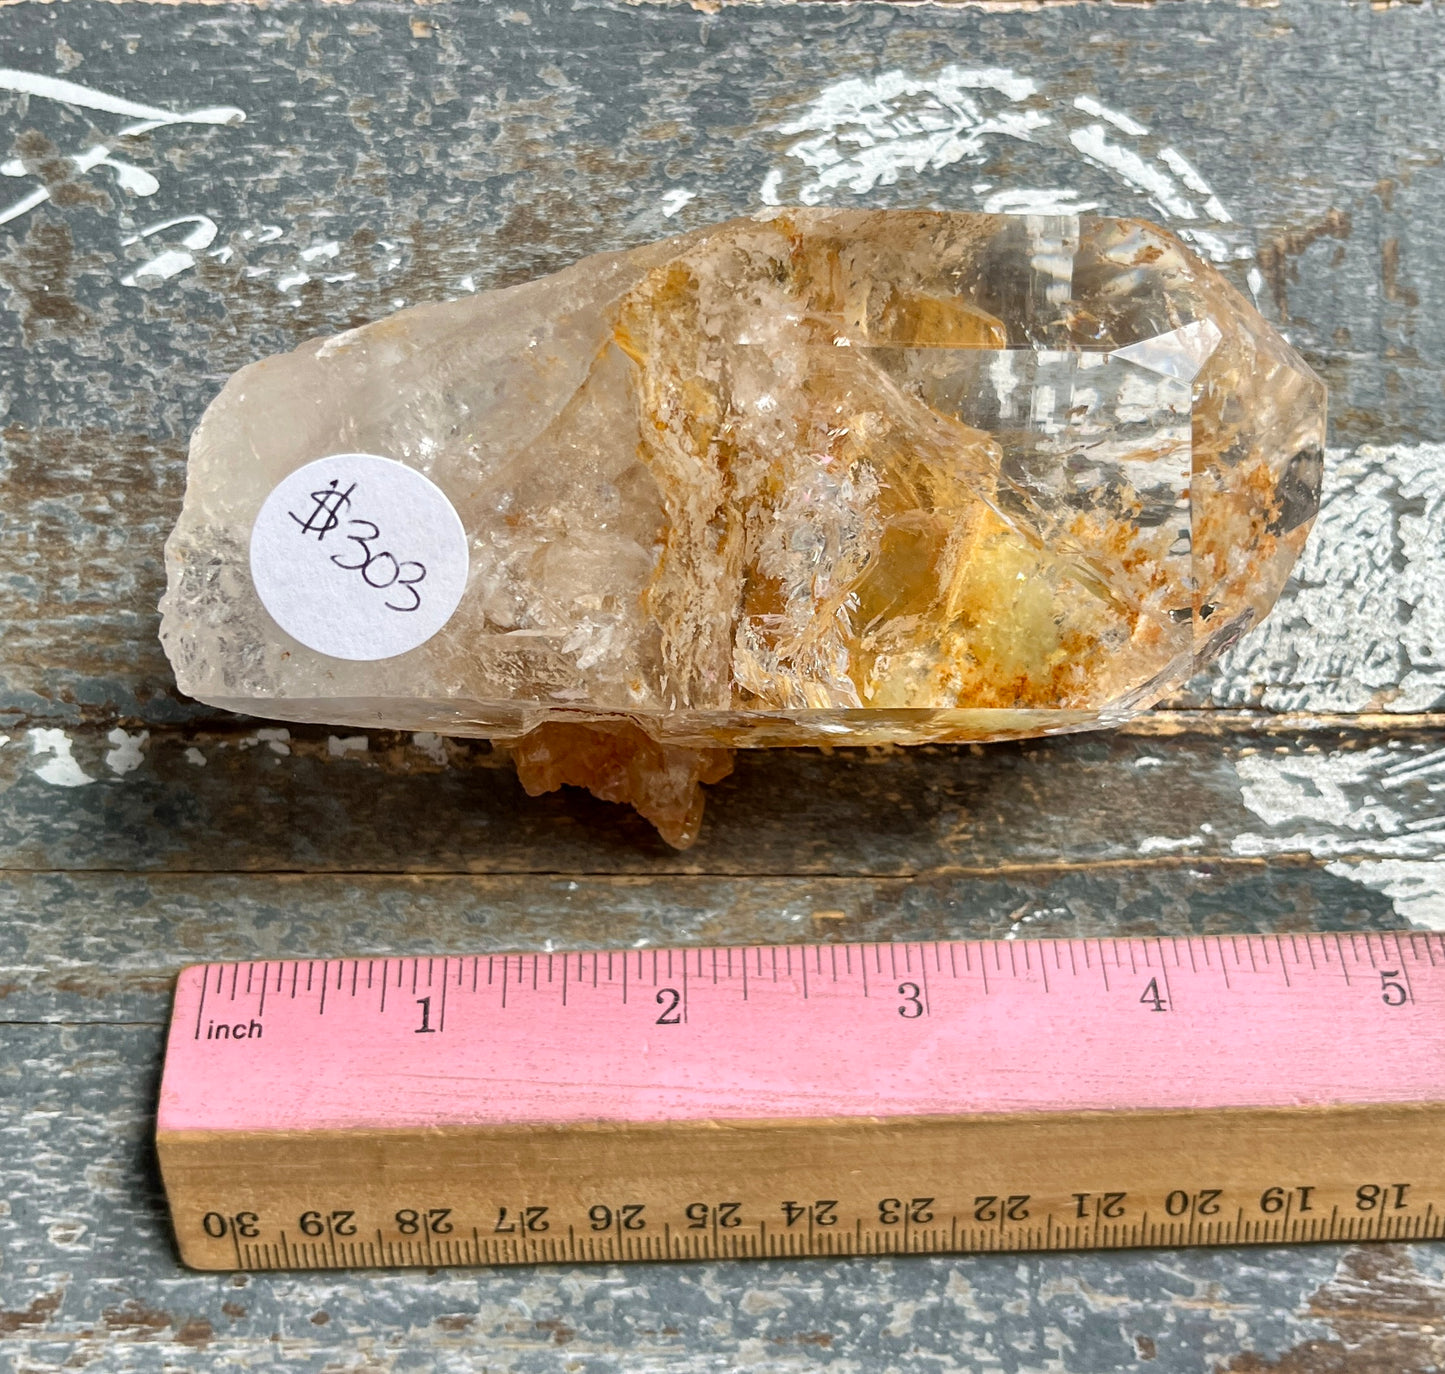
[[359, 557]]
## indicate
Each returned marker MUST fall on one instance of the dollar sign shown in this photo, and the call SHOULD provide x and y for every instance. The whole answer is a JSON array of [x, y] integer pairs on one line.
[[326, 514]]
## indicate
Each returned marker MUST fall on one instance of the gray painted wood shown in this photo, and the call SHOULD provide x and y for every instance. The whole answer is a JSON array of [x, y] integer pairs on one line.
[[64, 966], [457, 147], [266, 799]]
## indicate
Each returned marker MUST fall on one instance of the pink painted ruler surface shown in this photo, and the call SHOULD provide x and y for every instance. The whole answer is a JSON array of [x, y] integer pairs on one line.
[[808, 1031]]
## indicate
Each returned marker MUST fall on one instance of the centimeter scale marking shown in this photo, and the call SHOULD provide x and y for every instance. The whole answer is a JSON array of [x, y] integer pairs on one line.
[[806, 1100]]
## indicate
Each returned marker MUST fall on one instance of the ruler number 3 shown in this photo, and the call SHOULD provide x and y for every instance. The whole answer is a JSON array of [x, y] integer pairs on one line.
[[912, 996]]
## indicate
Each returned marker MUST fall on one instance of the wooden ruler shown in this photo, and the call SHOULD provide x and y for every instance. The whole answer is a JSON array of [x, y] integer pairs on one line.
[[806, 1100]]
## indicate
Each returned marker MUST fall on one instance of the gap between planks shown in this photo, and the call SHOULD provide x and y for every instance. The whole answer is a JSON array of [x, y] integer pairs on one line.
[[1149, 863]]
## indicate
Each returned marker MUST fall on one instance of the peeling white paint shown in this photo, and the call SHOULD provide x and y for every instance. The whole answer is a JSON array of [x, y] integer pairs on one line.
[[292, 279], [277, 740], [675, 199], [859, 133], [171, 261], [756, 1302], [60, 769], [339, 746], [67, 1235], [1333, 805], [1213, 246], [1417, 887], [318, 251], [432, 745], [1361, 626], [900, 1318], [1157, 185], [86, 98], [150, 117], [127, 752], [1189, 175], [1040, 201], [1294, 787], [1119, 120], [1162, 844], [862, 132], [195, 757]]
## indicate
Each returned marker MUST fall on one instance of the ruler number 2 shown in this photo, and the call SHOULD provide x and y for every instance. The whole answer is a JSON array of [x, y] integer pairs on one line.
[[434, 1221]]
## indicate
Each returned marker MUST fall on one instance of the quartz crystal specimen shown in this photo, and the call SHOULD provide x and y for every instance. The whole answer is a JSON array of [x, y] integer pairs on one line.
[[832, 476]]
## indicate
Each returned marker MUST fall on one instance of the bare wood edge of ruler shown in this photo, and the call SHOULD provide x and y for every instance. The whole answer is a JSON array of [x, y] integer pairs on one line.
[[1068, 1132], [1048, 1181]]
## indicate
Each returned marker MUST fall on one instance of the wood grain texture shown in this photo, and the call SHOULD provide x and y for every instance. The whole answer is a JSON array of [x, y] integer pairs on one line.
[[312, 800], [973, 1184], [393, 154]]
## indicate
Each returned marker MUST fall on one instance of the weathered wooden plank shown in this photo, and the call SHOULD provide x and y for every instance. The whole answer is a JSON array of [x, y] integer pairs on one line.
[[382, 161], [90, 1279], [310, 800], [466, 147], [84, 947], [90, 1276]]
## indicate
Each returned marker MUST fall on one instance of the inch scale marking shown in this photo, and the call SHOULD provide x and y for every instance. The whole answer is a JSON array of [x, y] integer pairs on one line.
[[806, 1100]]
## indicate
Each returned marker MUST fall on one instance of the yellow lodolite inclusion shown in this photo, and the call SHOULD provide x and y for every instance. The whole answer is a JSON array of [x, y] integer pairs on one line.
[[942, 602]]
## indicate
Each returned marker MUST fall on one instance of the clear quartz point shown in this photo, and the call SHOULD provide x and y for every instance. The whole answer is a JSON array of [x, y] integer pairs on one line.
[[852, 477]]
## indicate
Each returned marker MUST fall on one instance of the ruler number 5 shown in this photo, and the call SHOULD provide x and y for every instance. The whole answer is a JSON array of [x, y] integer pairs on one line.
[[1392, 994]]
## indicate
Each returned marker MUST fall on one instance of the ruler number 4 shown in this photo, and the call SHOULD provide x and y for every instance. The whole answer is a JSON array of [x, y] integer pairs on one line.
[[1152, 997]]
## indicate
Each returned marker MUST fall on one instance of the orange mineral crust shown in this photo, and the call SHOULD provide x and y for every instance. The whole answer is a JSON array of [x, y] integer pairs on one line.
[[818, 476]]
